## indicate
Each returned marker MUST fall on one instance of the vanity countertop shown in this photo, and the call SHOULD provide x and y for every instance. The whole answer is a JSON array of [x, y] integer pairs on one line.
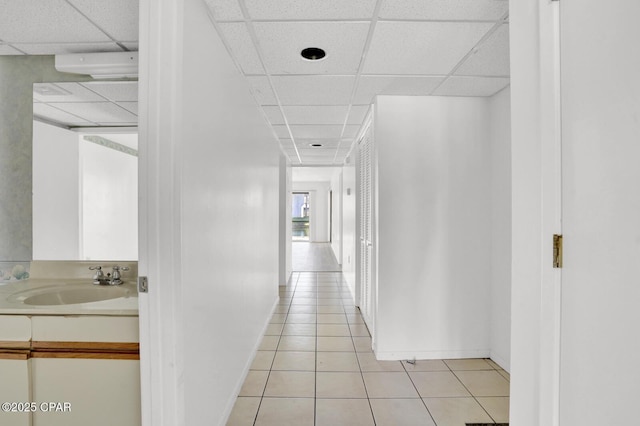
[[13, 293]]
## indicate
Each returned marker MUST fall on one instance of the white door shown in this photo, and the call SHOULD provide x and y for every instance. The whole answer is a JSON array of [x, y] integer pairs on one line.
[[600, 332], [365, 215]]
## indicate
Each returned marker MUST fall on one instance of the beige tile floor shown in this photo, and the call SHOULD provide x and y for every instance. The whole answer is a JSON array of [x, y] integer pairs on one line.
[[315, 366]]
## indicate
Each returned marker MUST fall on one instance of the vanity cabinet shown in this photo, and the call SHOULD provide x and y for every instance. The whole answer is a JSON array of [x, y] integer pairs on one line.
[[78, 370], [15, 338]]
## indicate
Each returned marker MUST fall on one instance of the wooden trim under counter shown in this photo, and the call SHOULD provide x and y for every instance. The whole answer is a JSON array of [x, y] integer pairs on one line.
[[17, 354], [121, 347], [85, 355], [12, 344]]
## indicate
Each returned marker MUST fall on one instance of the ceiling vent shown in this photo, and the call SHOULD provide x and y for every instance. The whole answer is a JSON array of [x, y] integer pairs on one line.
[[100, 65]]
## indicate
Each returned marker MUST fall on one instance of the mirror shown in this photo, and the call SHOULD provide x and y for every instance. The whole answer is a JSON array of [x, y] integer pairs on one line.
[[85, 171]]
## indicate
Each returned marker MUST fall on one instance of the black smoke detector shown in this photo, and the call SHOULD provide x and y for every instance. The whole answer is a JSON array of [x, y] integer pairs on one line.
[[313, 53]]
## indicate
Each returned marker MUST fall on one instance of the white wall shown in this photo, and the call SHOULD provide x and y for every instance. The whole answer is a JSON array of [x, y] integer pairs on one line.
[[209, 218], [336, 215], [56, 192], [434, 227], [318, 208], [284, 217], [109, 202], [500, 139], [349, 225]]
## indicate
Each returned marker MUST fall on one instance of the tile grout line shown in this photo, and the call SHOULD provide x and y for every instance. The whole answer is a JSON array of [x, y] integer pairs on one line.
[[404, 367], [276, 351], [355, 351], [470, 393]]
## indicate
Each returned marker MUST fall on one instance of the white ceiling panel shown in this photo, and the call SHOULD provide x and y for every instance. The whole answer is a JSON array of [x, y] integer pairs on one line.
[[443, 9], [118, 91], [281, 131], [8, 50], [326, 143], [314, 90], [34, 21], [350, 131], [118, 18], [66, 48], [53, 114], [64, 92], [239, 41], [132, 107], [225, 10], [282, 42], [99, 112], [315, 114], [287, 143], [370, 86], [310, 9], [491, 57], [273, 114], [316, 131], [357, 114], [472, 86], [421, 47], [262, 90]]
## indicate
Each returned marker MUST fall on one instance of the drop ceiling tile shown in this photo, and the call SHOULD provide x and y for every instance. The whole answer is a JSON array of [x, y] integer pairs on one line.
[[443, 9], [281, 131], [273, 114], [326, 143], [118, 18], [287, 143], [57, 116], [51, 20], [132, 107], [99, 112], [357, 114], [242, 48], [310, 9], [64, 92], [316, 131], [118, 91], [370, 86], [314, 90], [421, 47], [66, 48], [491, 57], [262, 90], [471, 86], [282, 42], [316, 114], [351, 131], [8, 50], [225, 10]]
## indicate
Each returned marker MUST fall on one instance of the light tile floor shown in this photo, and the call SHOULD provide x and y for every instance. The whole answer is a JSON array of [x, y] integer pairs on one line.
[[315, 366]]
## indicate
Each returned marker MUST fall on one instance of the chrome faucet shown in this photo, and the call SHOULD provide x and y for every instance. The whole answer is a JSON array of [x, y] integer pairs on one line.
[[114, 278]]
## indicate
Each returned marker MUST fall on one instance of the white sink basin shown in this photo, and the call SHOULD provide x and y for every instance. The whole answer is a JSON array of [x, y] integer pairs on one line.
[[70, 294]]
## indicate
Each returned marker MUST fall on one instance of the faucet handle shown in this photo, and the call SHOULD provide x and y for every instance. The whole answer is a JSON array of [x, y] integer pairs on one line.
[[99, 274], [115, 275]]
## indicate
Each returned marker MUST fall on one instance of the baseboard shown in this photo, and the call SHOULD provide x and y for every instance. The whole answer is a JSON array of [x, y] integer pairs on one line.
[[422, 355], [245, 372], [500, 361]]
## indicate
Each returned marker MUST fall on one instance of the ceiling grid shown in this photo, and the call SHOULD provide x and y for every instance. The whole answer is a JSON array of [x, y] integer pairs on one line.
[[373, 47]]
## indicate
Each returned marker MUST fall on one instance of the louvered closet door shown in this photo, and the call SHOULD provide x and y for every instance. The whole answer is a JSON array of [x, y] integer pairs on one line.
[[366, 242]]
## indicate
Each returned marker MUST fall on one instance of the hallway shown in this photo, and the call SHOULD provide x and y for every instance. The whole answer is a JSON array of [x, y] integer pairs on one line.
[[313, 257], [315, 366]]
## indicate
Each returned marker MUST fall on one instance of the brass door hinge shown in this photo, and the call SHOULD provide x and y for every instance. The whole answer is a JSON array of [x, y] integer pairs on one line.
[[557, 251]]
